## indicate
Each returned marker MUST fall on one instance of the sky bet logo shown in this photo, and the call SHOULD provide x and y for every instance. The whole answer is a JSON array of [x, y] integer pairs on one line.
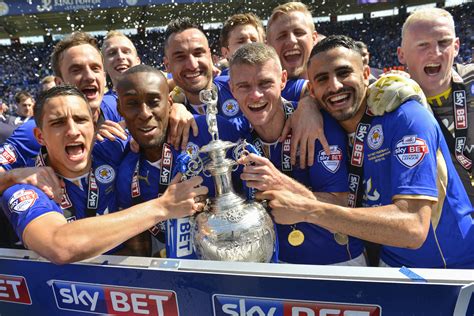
[[14, 289], [106, 299], [225, 305]]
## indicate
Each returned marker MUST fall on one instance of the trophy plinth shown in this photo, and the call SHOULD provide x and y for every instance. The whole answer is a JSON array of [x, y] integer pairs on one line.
[[232, 229]]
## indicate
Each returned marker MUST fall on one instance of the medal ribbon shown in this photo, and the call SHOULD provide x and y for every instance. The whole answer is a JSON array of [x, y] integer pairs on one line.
[[286, 166], [457, 144], [356, 171], [92, 192], [165, 179]]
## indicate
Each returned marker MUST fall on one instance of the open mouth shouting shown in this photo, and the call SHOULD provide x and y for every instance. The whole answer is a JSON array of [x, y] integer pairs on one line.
[[91, 92], [292, 56], [257, 107], [75, 151], [121, 68], [432, 69]]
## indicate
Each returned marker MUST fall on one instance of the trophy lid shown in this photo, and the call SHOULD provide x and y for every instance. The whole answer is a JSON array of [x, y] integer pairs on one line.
[[217, 145]]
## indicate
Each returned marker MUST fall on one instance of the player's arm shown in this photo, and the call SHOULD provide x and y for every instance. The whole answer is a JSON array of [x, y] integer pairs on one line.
[[338, 198], [42, 177], [181, 121], [405, 223], [60, 242]]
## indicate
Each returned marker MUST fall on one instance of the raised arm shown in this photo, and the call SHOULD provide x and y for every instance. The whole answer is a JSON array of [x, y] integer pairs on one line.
[[61, 242], [405, 223]]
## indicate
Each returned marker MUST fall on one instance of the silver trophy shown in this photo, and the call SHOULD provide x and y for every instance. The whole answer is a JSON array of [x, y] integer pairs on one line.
[[231, 229]]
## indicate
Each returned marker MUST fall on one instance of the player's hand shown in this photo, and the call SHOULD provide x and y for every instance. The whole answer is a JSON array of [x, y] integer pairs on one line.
[[287, 208], [305, 125], [261, 174], [391, 90], [183, 199], [216, 71], [181, 121], [43, 178], [111, 130]]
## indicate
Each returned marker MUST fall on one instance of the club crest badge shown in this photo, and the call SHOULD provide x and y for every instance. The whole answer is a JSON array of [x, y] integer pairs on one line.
[[411, 150], [230, 107], [331, 162], [375, 137], [22, 200], [105, 174], [7, 154], [192, 149]]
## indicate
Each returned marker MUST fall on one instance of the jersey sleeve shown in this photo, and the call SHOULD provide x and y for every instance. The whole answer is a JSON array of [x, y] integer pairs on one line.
[[415, 145], [22, 204], [109, 108], [293, 89], [329, 172], [21, 148]]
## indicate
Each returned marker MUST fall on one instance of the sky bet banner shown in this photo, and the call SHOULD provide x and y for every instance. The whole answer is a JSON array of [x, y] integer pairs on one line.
[[29, 287], [18, 7], [225, 305], [107, 299]]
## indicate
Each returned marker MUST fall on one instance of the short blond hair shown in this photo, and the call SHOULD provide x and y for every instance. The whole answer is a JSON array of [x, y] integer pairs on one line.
[[287, 8], [428, 14], [115, 33], [47, 79]]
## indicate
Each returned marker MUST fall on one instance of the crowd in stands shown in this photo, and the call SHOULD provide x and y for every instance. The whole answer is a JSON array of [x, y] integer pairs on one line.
[[382, 35]]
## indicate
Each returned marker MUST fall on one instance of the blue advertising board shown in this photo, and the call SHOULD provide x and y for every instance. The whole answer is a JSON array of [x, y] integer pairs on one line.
[[28, 7], [145, 286]]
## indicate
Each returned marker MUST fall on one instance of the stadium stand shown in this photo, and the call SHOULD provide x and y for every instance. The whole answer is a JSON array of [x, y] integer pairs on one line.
[[382, 36]]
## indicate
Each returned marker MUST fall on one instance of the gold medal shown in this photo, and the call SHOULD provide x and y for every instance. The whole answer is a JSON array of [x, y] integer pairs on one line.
[[296, 237], [341, 239], [163, 253]]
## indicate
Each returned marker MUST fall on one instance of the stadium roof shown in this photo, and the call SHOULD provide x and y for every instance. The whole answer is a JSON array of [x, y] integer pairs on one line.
[[43, 17]]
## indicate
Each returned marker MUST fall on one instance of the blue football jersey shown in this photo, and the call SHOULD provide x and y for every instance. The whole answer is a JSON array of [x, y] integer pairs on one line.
[[406, 157], [21, 148], [293, 89], [227, 106], [90, 195], [328, 174], [148, 183], [109, 107]]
